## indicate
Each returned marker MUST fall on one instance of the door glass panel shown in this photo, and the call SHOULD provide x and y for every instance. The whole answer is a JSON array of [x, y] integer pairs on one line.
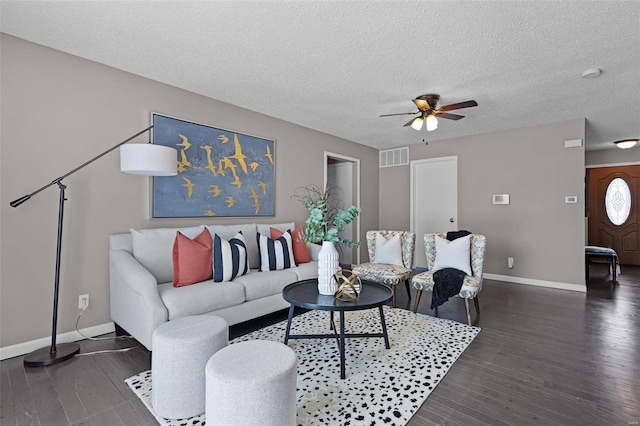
[[618, 201]]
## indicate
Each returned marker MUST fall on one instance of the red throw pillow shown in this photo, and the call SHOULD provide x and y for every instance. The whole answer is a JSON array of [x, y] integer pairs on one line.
[[300, 252], [192, 259]]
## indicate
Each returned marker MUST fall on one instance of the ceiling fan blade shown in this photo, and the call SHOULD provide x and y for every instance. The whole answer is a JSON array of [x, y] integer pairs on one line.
[[410, 122], [449, 116], [459, 105], [421, 104], [401, 113]]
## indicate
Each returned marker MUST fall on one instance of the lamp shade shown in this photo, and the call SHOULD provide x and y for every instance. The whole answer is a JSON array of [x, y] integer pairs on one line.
[[417, 123], [148, 159], [626, 143], [432, 122]]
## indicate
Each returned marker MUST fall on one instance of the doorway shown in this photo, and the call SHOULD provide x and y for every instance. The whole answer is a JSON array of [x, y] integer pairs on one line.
[[343, 174], [613, 212], [434, 199]]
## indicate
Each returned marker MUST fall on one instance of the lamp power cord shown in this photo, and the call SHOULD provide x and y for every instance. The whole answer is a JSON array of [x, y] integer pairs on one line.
[[108, 351]]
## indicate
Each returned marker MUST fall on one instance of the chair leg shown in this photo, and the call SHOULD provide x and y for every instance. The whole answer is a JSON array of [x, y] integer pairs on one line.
[[475, 302], [406, 284], [477, 306], [466, 305], [393, 298], [415, 305]]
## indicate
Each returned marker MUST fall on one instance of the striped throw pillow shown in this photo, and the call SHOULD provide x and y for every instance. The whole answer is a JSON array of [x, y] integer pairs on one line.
[[229, 258], [276, 254]]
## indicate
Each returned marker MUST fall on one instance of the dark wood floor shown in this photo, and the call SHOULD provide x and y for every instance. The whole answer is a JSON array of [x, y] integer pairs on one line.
[[543, 356]]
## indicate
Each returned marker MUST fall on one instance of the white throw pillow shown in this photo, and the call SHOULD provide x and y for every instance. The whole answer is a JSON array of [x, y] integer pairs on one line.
[[453, 254], [388, 251]]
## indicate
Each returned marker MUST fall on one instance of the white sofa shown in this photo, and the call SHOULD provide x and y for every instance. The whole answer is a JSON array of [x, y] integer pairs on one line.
[[142, 291]]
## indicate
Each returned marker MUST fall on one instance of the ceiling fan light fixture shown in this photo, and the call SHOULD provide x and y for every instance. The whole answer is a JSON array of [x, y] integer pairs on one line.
[[626, 143], [417, 123], [432, 122]]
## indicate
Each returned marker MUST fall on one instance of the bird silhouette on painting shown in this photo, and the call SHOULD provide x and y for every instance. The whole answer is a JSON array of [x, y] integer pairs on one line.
[[228, 164], [256, 203], [263, 186], [254, 166], [209, 213], [185, 142], [189, 185], [230, 201], [210, 164], [215, 190], [223, 138], [268, 154], [238, 155], [183, 163]]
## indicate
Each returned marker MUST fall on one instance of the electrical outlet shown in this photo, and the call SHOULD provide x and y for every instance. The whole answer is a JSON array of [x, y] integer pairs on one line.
[[510, 262], [83, 302]]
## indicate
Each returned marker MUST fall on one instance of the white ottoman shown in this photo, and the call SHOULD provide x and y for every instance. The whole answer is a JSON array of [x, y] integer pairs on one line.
[[252, 383], [181, 349]]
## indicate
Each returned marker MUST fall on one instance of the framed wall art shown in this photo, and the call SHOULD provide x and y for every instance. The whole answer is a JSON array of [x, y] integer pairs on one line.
[[220, 172]]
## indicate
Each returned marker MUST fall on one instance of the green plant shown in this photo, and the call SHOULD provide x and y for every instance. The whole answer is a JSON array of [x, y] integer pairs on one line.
[[326, 216]]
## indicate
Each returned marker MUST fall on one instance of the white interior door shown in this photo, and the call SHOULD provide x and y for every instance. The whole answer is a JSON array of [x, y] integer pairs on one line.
[[433, 200], [340, 177], [344, 173]]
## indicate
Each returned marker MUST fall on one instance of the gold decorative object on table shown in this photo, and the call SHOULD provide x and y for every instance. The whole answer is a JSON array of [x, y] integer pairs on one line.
[[349, 285]]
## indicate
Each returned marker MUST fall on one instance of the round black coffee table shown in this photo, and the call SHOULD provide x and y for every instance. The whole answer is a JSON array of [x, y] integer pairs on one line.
[[305, 295]]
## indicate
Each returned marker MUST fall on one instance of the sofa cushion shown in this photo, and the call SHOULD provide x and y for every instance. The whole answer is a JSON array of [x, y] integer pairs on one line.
[[306, 271], [249, 231], [229, 258], [200, 298], [153, 248], [262, 284], [276, 254], [192, 258]]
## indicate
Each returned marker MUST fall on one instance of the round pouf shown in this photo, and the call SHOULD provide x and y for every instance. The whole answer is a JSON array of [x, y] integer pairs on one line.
[[181, 349], [252, 383]]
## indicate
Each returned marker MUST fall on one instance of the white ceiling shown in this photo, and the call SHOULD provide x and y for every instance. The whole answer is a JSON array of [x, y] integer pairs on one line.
[[336, 66]]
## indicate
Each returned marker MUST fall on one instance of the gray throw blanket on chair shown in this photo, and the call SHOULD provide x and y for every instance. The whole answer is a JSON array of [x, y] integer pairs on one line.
[[447, 281]]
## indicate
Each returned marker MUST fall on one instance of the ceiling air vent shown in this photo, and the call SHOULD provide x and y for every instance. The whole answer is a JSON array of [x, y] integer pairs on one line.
[[394, 157]]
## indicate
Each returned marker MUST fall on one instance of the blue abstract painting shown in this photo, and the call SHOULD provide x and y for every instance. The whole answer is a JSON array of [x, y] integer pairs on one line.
[[220, 172]]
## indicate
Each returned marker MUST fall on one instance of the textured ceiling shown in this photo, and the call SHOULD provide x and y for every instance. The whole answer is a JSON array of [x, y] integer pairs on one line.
[[336, 66]]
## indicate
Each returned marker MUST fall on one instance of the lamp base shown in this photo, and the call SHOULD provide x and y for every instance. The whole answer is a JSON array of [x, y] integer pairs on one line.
[[43, 357]]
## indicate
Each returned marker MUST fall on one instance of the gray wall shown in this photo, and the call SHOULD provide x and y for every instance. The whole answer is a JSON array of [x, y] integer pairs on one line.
[[58, 111], [542, 233], [613, 156]]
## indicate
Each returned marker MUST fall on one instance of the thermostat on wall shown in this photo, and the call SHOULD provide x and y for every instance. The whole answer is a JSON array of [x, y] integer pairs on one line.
[[500, 198]]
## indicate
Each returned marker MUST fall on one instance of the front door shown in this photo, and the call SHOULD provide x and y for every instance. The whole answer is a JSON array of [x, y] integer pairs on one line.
[[614, 214]]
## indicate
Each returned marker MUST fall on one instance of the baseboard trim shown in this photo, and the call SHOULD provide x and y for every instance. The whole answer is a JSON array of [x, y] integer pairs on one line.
[[539, 283], [71, 336]]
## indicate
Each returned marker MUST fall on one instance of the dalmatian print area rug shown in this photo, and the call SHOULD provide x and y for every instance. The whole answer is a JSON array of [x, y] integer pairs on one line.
[[382, 386]]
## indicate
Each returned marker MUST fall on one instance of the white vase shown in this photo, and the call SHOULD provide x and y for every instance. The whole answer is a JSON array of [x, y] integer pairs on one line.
[[328, 264]]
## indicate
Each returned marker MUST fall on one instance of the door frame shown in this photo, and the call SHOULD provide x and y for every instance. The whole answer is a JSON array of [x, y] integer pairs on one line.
[[356, 162]]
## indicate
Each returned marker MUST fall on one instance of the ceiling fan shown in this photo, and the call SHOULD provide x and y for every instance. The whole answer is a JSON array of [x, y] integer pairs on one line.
[[428, 109]]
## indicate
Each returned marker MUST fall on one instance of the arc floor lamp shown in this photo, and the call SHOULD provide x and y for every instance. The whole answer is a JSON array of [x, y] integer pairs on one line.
[[140, 159]]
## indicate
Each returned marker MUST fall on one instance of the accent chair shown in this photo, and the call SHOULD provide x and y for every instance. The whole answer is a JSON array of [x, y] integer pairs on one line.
[[472, 284], [390, 274]]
